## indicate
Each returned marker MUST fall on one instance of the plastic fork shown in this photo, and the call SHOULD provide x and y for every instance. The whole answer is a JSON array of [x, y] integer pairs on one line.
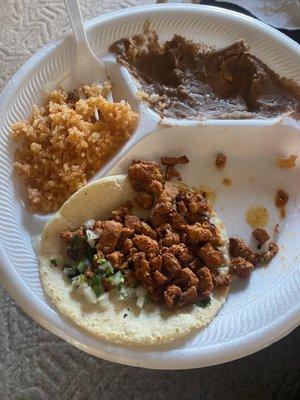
[[87, 68]]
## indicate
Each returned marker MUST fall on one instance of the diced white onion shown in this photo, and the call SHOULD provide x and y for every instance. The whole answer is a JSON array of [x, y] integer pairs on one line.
[[103, 299], [91, 234], [88, 293], [78, 280], [91, 237], [107, 267], [140, 301], [116, 279], [89, 224], [125, 293]]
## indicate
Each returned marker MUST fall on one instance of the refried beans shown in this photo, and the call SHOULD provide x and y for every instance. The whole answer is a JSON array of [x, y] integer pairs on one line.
[[184, 79]]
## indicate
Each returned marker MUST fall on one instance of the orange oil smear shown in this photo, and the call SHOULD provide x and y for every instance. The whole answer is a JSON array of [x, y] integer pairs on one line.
[[289, 162], [227, 181], [257, 216]]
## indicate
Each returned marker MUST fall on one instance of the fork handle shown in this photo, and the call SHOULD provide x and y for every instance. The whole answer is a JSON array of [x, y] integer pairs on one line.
[[73, 9]]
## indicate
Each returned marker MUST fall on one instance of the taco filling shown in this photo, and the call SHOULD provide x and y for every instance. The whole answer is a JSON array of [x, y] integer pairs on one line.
[[142, 259], [173, 256]]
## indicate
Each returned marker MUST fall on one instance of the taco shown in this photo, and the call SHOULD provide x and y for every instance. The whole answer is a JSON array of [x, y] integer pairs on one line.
[[136, 259]]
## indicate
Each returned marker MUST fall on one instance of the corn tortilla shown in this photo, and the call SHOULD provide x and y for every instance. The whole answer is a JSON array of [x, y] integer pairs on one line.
[[148, 326]]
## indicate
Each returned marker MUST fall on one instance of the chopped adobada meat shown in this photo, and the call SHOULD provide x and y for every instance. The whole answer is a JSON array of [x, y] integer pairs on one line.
[[261, 235], [271, 252], [170, 294], [145, 200], [171, 172], [196, 233], [238, 248], [123, 210], [127, 245], [170, 238], [169, 255], [133, 222], [170, 265], [159, 278], [170, 163], [170, 191], [145, 244], [241, 267], [220, 160], [189, 296], [147, 230], [181, 208], [115, 258], [211, 256], [221, 281], [187, 278], [143, 174], [181, 251], [68, 235], [174, 160], [244, 260], [111, 232], [205, 282]]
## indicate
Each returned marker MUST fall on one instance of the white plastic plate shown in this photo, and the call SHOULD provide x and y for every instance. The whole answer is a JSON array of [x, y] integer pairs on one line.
[[257, 312]]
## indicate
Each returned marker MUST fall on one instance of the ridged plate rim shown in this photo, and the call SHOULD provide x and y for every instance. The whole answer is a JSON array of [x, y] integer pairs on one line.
[[185, 358]]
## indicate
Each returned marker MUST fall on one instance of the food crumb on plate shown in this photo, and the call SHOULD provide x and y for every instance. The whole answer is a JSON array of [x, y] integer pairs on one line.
[[227, 182], [220, 160], [261, 236], [276, 228], [281, 200], [289, 162]]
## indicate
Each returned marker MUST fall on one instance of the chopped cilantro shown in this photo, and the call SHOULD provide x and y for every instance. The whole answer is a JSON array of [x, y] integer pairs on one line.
[[81, 267], [95, 284], [89, 252], [98, 290], [94, 281], [77, 241], [116, 279], [106, 267], [77, 280], [101, 261], [80, 245], [204, 303]]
